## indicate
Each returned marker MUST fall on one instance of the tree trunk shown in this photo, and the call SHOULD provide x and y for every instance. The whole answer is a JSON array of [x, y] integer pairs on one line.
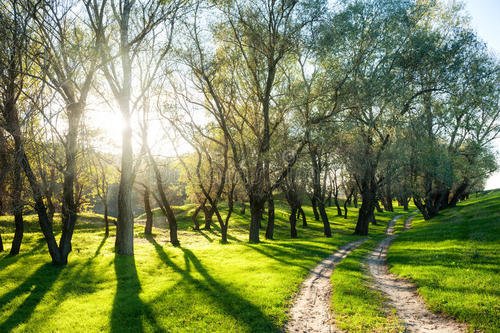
[[40, 208], [377, 205], [293, 222], [148, 228], [124, 243], [355, 200], [69, 209], [301, 212], [106, 218], [368, 197], [208, 211], [243, 208], [326, 224], [256, 208], [196, 224], [17, 209], [315, 208], [458, 193], [270, 218], [1, 244], [337, 204]]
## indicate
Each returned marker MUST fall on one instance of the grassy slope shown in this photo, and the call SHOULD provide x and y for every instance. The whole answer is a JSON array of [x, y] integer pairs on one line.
[[201, 286], [359, 308], [454, 260]]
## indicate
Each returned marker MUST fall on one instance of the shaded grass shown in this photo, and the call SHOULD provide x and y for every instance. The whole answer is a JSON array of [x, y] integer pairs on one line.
[[454, 260]]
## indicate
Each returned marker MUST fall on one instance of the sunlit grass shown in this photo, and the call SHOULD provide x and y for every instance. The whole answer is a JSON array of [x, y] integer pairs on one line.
[[454, 260], [201, 286]]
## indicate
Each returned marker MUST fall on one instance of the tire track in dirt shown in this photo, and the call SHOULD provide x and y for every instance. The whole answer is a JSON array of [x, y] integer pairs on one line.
[[402, 294], [310, 311]]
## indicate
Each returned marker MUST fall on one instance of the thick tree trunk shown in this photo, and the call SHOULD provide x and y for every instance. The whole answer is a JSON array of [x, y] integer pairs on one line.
[[377, 205], [256, 209], [270, 218], [17, 209], [208, 211], [293, 222], [458, 193], [355, 200], [124, 243], [368, 197], [148, 228], [69, 207]]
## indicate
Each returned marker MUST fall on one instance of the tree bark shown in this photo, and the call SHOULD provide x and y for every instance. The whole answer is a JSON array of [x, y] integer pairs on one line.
[[368, 196], [301, 212], [256, 209], [458, 193], [106, 218], [315, 208], [208, 212], [196, 224], [270, 218], [293, 222], [17, 209], [327, 231], [148, 228], [69, 207]]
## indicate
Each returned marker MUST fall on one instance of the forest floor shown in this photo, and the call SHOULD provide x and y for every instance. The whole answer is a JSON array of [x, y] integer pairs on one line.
[[239, 287]]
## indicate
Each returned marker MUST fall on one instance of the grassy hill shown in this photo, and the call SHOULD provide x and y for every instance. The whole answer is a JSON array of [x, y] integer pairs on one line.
[[454, 259]]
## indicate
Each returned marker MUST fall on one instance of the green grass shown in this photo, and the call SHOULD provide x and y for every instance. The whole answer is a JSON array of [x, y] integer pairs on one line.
[[201, 286], [454, 260], [358, 307]]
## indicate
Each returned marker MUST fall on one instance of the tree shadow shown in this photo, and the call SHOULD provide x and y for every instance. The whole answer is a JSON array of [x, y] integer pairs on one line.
[[231, 303], [37, 285], [130, 313]]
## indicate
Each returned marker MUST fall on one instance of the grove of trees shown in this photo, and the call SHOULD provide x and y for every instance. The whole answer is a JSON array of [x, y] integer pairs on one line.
[[232, 102]]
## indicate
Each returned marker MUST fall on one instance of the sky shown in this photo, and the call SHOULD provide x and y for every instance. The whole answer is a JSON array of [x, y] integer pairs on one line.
[[485, 16]]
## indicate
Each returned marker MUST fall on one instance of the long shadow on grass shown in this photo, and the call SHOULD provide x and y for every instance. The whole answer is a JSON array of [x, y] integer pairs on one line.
[[129, 311], [232, 303], [37, 285]]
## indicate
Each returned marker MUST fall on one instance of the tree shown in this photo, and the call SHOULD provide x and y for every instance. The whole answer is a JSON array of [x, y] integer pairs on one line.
[[120, 42]]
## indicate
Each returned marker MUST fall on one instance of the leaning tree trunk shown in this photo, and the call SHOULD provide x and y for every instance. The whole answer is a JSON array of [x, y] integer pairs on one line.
[[327, 231], [194, 217], [17, 209], [40, 208], [337, 204], [148, 228], [300, 212], [315, 208]]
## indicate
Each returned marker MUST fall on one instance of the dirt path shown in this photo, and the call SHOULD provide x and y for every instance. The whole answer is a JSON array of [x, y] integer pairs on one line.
[[310, 311], [402, 295]]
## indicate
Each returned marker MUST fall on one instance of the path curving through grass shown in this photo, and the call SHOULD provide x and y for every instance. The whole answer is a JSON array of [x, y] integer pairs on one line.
[[402, 294], [310, 311]]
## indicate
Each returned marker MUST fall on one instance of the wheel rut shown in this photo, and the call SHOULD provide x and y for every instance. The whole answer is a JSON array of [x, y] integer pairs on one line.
[[310, 311], [402, 294]]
